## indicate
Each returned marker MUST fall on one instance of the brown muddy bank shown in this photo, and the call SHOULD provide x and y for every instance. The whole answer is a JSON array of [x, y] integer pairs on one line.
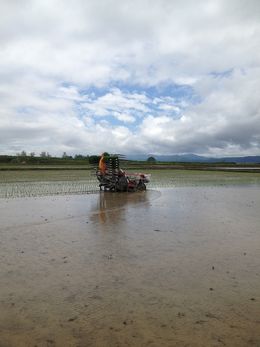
[[176, 267]]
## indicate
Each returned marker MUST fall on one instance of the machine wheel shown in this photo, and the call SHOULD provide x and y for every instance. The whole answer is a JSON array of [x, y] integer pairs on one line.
[[141, 185], [131, 189], [121, 184]]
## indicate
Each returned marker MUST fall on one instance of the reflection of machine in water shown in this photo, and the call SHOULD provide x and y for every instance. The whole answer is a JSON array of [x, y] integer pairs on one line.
[[113, 206], [112, 178]]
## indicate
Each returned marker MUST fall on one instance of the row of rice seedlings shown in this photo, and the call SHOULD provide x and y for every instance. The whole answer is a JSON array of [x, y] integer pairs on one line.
[[33, 189], [158, 180], [161, 184]]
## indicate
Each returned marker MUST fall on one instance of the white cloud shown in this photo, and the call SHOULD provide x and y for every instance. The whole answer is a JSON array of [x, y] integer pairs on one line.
[[124, 117], [228, 120], [58, 51]]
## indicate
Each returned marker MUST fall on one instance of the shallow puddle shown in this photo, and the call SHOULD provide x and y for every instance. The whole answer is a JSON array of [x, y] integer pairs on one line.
[[175, 267]]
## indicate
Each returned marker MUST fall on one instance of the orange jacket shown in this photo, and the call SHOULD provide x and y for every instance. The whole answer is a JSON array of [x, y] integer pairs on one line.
[[102, 164]]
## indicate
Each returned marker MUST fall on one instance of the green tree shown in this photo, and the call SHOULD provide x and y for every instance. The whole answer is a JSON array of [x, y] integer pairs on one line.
[[151, 160], [79, 156], [94, 159], [22, 154]]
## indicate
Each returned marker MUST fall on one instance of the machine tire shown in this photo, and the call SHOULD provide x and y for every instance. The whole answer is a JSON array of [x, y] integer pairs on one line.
[[121, 184], [141, 185]]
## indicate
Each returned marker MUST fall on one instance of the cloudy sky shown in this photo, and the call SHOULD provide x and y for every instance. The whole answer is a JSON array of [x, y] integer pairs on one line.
[[130, 76]]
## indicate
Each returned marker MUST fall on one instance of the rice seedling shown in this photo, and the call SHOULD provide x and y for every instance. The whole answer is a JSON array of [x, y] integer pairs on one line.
[[40, 183]]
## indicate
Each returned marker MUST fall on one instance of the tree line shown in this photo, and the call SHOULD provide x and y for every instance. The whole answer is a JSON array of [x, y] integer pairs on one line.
[[46, 158]]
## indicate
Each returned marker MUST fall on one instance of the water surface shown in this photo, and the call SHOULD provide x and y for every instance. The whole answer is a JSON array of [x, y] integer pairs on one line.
[[175, 267]]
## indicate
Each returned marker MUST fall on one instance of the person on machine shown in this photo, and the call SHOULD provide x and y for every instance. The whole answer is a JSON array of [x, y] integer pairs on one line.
[[102, 164]]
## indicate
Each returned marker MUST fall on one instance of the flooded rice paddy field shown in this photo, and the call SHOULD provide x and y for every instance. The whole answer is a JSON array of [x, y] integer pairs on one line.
[[25, 183], [176, 266]]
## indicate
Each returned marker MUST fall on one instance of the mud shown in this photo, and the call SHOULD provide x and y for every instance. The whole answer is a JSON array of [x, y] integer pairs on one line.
[[175, 267]]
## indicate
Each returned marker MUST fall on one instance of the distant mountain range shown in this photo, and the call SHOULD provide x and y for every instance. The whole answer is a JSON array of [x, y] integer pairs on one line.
[[193, 158]]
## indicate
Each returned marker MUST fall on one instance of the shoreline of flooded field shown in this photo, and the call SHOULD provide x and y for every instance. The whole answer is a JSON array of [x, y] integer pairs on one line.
[[165, 267]]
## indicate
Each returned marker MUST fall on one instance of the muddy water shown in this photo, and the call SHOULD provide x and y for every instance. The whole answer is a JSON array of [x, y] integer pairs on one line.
[[175, 267]]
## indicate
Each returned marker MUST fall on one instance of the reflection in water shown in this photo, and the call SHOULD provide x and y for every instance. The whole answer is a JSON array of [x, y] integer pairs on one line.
[[111, 206]]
